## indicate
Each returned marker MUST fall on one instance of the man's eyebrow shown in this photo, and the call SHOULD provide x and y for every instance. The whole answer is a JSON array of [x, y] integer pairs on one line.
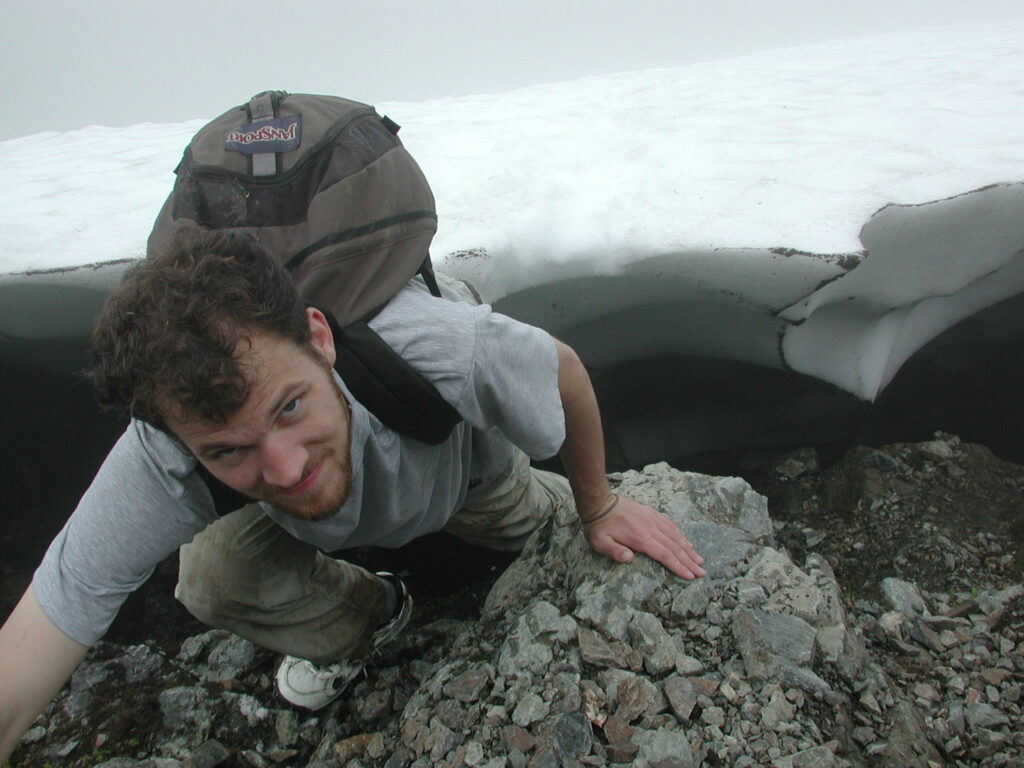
[[288, 392], [213, 448]]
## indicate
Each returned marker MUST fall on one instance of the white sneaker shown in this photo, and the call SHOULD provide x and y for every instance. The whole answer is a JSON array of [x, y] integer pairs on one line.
[[313, 686]]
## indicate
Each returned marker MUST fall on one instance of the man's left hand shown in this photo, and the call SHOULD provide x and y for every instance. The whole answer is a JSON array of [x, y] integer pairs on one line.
[[631, 527]]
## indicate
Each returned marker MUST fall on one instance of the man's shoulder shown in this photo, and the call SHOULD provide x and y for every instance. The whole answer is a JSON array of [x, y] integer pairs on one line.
[[143, 439], [154, 459], [415, 315], [148, 473], [456, 296]]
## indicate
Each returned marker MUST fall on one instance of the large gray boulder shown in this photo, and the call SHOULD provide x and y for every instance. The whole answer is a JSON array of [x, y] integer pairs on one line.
[[581, 660]]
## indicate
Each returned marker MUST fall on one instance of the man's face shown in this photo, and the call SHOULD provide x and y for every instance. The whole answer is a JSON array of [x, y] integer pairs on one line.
[[289, 444]]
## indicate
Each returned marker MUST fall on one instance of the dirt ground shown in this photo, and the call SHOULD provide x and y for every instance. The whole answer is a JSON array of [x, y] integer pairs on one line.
[[946, 515]]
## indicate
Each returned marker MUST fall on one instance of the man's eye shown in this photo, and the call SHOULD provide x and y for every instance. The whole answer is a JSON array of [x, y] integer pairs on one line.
[[290, 407], [225, 453]]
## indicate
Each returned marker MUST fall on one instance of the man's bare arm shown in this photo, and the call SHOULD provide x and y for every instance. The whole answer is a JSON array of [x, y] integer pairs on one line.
[[621, 526], [36, 659]]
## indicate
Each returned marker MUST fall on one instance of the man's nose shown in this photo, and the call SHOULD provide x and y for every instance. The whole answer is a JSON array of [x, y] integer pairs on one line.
[[282, 461]]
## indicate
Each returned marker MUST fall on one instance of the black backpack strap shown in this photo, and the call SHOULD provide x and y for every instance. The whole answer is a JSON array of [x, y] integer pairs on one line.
[[225, 498], [390, 388], [426, 271]]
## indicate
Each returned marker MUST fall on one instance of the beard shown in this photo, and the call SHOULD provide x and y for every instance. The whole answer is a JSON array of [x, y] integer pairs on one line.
[[324, 500]]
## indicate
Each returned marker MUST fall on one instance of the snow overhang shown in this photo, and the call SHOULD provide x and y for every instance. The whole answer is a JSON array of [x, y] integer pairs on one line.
[[847, 319], [926, 268]]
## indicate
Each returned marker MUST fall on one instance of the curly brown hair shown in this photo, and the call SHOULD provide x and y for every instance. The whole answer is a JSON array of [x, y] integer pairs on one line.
[[170, 333]]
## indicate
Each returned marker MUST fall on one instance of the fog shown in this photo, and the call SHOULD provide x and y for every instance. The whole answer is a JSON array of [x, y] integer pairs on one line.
[[69, 64]]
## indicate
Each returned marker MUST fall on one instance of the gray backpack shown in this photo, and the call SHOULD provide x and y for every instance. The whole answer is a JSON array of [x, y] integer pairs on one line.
[[325, 185]]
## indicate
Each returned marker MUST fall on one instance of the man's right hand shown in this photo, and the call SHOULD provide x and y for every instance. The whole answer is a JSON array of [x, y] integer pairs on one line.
[[36, 659]]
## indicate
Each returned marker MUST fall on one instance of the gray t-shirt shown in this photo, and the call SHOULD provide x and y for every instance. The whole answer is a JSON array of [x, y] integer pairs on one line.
[[147, 499]]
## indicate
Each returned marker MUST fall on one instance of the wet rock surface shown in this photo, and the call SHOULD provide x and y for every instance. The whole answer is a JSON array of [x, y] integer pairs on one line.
[[874, 617]]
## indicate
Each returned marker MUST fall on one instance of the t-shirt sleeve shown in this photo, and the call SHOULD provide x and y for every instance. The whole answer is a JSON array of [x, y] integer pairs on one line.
[[513, 384], [143, 504]]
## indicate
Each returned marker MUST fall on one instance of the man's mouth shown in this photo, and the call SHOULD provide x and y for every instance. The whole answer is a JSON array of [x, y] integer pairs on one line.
[[305, 483]]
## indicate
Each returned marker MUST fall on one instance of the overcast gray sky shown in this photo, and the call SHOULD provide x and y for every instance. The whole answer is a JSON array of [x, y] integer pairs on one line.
[[70, 63]]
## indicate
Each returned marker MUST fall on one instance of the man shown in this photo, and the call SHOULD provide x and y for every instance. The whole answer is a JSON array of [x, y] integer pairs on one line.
[[228, 378]]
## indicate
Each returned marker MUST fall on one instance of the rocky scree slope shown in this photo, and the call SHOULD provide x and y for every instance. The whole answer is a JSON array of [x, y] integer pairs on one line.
[[578, 661]]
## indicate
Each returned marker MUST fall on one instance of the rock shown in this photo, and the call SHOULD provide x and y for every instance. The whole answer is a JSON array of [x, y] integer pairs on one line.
[[778, 711], [529, 710], [353, 746], [907, 743], [523, 652], [662, 749], [637, 696], [375, 705], [682, 696], [688, 665], [517, 738], [469, 686], [249, 708], [904, 597], [787, 636], [984, 716], [444, 740], [721, 546], [815, 757], [140, 663], [596, 651], [573, 735], [32, 735], [777, 647], [692, 600], [604, 604], [184, 707], [649, 637], [209, 755]]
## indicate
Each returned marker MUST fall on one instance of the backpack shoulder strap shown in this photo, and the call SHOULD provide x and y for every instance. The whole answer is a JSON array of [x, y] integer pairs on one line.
[[225, 498], [390, 388], [426, 271]]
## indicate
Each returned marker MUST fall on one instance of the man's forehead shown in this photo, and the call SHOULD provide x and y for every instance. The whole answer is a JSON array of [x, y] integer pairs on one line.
[[190, 428], [190, 420], [272, 367]]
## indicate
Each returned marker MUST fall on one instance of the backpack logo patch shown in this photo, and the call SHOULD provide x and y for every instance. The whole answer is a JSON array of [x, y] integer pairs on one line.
[[279, 134]]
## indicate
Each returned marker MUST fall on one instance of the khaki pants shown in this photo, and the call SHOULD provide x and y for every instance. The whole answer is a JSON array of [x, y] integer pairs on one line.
[[246, 574]]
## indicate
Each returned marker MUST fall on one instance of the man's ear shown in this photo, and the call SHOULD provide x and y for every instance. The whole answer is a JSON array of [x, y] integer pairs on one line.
[[320, 335]]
